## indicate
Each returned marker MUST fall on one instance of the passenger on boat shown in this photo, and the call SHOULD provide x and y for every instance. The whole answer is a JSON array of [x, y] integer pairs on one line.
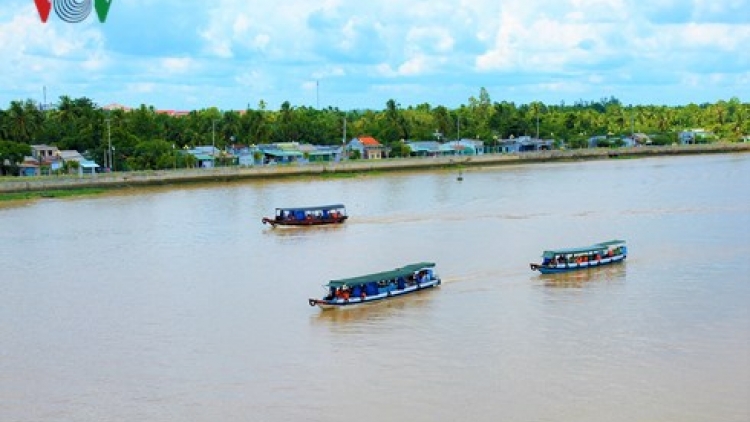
[[372, 289], [400, 283], [331, 294]]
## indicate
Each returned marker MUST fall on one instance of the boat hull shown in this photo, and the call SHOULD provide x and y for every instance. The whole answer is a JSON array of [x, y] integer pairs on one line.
[[564, 268], [305, 223], [327, 304]]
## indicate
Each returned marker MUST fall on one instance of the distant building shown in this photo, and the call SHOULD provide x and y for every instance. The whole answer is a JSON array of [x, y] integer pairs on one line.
[[29, 167], [369, 148], [604, 141], [463, 147], [205, 156], [84, 166], [173, 113], [636, 139], [525, 144], [115, 106], [696, 136], [281, 153], [424, 148], [47, 156]]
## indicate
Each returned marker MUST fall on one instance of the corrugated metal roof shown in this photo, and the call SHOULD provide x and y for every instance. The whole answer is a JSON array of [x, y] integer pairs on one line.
[[315, 208], [597, 247], [404, 271], [278, 153]]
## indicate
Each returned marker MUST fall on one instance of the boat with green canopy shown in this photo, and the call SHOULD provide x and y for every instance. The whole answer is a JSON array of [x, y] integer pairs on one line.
[[568, 259], [378, 286]]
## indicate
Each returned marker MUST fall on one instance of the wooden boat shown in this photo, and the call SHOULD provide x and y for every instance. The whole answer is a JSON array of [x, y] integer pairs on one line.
[[596, 255], [378, 286], [308, 216]]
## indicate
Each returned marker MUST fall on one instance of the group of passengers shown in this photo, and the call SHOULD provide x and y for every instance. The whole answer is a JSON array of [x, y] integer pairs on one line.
[[375, 288], [298, 215], [579, 259]]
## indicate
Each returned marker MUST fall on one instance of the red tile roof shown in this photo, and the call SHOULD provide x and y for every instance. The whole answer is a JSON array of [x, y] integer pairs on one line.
[[175, 113], [369, 141]]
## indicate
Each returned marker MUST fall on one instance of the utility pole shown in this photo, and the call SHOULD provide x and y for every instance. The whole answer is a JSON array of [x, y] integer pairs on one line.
[[458, 130], [213, 143], [109, 144], [343, 141], [343, 138]]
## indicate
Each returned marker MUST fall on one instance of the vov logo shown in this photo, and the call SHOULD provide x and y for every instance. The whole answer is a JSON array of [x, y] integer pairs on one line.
[[72, 11]]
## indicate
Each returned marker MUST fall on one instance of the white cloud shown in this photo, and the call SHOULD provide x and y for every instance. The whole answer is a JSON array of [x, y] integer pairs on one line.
[[414, 66], [176, 65], [328, 72], [431, 38], [96, 62], [142, 87], [385, 70], [255, 80]]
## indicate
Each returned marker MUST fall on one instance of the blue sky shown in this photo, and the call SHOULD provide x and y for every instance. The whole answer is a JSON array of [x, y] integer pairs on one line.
[[231, 54]]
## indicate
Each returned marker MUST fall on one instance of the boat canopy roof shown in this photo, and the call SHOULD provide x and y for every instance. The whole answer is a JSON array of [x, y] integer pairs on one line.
[[597, 247], [404, 271], [316, 208]]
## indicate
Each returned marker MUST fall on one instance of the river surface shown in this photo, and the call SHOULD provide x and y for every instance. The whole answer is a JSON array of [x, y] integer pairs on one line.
[[177, 304]]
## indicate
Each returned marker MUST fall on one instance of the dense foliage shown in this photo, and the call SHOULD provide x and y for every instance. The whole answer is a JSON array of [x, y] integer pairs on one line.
[[144, 138]]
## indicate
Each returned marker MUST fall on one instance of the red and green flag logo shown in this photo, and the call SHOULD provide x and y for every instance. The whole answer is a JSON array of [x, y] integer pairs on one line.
[[73, 11]]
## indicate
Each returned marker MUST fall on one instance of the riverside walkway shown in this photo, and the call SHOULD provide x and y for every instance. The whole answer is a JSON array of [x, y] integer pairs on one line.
[[165, 177]]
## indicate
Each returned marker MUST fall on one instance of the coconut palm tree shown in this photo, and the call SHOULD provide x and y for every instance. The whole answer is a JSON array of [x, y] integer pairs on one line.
[[24, 120]]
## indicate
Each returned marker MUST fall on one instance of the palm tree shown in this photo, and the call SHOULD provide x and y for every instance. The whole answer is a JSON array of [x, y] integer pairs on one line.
[[24, 120]]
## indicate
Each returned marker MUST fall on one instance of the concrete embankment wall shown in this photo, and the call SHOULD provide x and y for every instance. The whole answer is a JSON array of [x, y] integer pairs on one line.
[[162, 177]]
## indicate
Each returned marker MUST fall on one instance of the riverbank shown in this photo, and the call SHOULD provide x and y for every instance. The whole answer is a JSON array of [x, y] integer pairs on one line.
[[223, 174]]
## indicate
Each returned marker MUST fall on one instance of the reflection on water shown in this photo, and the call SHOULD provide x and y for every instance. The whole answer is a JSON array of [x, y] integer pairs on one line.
[[579, 278], [369, 312], [299, 231]]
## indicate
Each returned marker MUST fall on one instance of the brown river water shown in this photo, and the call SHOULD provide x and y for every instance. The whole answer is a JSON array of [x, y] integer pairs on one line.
[[177, 304]]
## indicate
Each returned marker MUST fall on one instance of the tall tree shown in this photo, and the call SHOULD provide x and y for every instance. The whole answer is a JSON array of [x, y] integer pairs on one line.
[[24, 119]]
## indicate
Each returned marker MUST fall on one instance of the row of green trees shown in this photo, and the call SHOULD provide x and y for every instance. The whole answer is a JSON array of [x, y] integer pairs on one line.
[[143, 138]]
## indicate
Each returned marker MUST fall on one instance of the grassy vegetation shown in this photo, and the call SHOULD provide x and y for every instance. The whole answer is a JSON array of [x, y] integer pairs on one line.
[[67, 193]]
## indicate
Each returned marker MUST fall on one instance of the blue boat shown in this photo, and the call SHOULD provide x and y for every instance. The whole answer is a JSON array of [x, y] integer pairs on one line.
[[569, 259], [308, 216], [378, 286]]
